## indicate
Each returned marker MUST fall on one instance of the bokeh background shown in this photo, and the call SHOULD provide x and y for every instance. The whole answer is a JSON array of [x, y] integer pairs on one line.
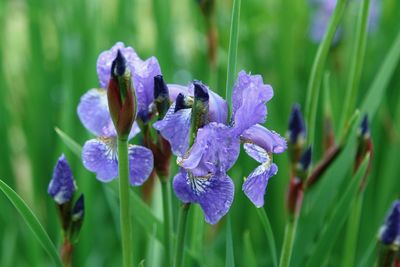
[[48, 53]]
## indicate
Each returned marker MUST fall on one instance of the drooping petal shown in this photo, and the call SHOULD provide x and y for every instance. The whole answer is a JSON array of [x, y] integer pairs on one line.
[[105, 59], [255, 185], [256, 152], [214, 194], [215, 149], [143, 73], [269, 140], [100, 156], [62, 185], [140, 164], [93, 113], [249, 99], [175, 128]]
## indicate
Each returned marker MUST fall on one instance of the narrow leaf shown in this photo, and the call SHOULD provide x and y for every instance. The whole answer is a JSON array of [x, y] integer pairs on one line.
[[230, 259], [338, 217], [69, 142], [32, 222], [232, 53], [262, 214]]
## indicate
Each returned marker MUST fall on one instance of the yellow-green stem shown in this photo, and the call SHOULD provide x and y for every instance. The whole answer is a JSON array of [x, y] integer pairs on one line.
[[123, 171], [181, 235], [166, 197]]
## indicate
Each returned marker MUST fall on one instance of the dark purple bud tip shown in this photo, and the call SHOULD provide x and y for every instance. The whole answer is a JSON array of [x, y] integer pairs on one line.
[[200, 91], [118, 65], [180, 103], [297, 128], [364, 127], [62, 185], [79, 209], [305, 159], [160, 88], [390, 231]]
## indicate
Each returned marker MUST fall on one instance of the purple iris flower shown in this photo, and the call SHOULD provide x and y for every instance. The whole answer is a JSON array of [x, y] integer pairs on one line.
[[202, 178], [143, 73], [62, 185], [100, 155]]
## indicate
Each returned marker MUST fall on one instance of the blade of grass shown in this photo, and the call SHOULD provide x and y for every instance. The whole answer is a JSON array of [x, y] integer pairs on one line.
[[262, 214], [69, 142], [32, 222], [317, 70], [230, 259], [249, 256], [338, 217], [356, 63], [232, 52]]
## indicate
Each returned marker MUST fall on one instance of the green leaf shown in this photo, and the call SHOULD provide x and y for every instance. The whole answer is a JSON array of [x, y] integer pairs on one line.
[[262, 214], [335, 222], [377, 90], [317, 70], [230, 259], [32, 222], [69, 142], [249, 256], [232, 53]]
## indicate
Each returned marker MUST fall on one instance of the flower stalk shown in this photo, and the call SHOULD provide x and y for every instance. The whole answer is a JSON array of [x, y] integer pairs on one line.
[[123, 170], [178, 259]]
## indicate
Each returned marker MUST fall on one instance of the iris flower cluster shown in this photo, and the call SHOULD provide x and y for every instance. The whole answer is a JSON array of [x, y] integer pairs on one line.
[[196, 125]]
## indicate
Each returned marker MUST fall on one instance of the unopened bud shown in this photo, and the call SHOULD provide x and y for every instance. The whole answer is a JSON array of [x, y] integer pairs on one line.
[[78, 213], [161, 96], [121, 96]]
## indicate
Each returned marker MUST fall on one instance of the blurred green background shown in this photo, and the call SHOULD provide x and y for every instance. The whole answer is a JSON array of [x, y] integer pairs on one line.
[[48, 53]]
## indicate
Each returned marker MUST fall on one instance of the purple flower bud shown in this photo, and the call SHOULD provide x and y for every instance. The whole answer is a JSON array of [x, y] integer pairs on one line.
[[161, 96], [62, 185], [200, 92], [305, 159], [78, 213], [181, 103], [121, 96], [297, 128], [390, 231], [364, 127]]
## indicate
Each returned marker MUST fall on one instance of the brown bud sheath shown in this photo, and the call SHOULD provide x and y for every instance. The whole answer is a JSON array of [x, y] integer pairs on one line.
[[121, 97]]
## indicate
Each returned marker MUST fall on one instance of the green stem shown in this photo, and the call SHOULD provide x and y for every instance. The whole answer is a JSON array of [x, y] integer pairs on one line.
[[356, 63], [181, 234], [269, 233], [350, 247], [123, 170], [166, 197], [317, 70], [287, 247]]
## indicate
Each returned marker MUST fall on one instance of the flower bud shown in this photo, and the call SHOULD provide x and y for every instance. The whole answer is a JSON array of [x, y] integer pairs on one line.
[[389, 233], [182, 102], [304, 164], [199, 109], [161, 96], [296, 134], [121, 96], [78, 213]]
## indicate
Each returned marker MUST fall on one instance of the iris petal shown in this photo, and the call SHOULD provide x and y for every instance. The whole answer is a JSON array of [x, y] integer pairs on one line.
[[214, 194], [140, 164], [175, 128], [267, 139], [255, 185]]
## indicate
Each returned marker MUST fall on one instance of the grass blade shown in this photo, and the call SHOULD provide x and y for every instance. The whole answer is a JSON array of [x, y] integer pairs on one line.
[[232, 53], [69, 142], [32, 222], [230, 258], [262, 214], [317, 70], [337, 219]]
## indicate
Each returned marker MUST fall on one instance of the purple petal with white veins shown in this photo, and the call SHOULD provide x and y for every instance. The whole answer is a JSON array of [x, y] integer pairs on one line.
[[255, 185], [267, 139], [215, 149], [93, 113], [105, 59], [214, 194], [140, 164], [256, 152], [175, 127], [100, 156], [249, 99]]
